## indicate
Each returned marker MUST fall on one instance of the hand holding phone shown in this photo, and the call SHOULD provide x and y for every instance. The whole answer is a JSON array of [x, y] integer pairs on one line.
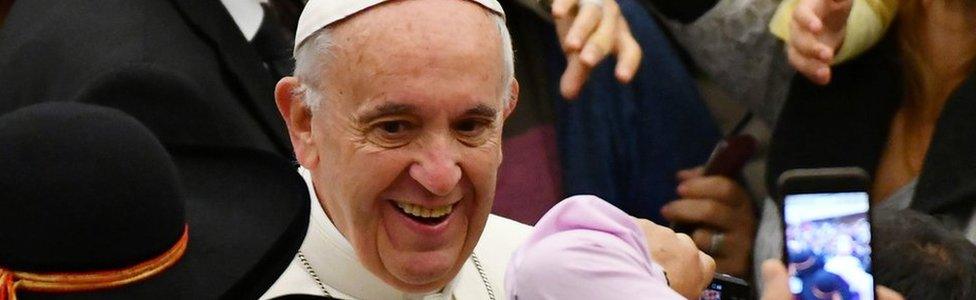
[[826, 217], [716, 211]]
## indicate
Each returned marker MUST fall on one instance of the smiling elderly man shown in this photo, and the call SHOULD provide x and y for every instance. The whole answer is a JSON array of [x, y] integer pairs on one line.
[[395, 113]]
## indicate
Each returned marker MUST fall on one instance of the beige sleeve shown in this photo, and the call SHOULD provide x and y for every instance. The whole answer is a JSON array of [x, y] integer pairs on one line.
[[867, 24]]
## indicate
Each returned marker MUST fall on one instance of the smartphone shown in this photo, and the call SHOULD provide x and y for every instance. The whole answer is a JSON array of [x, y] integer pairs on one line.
[[730, 155], [826, 217], [726, 287]]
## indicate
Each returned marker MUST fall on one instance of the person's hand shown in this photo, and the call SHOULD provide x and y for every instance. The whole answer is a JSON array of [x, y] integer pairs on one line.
[[776, 284], [721, 213], [589, 30], [817, 31], [688, 270]]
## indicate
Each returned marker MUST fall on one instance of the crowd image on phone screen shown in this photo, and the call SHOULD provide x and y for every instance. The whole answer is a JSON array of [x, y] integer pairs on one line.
[[828, 243]]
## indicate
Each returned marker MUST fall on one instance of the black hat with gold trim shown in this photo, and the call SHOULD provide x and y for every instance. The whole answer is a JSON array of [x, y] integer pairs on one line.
[[93, 207]]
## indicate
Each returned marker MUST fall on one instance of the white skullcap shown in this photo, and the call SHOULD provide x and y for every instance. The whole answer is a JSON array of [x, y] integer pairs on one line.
[[320, 13]]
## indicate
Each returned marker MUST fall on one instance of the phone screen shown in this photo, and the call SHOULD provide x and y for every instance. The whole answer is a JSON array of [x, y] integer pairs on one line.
[[828, 245]]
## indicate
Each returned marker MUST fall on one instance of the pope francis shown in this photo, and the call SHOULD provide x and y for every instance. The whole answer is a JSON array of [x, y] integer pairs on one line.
[[395, 113]]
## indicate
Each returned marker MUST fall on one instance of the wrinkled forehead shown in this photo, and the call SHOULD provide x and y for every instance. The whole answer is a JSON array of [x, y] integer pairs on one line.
[[408, 44], [439, 29], [319, 14]]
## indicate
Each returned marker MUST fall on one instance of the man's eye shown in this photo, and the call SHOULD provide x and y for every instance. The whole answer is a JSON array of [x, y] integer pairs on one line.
[[391, 133], [472, 132], [467, 126], [393, 127]]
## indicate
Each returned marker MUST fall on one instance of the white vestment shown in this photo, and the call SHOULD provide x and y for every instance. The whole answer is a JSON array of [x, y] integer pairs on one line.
[[334, 260]]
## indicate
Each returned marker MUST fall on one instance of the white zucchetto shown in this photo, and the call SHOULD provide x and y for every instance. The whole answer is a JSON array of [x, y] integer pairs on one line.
[[321, 13]]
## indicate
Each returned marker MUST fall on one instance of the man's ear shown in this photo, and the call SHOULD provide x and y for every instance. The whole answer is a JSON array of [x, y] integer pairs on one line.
[[512, 99], [298, 118]]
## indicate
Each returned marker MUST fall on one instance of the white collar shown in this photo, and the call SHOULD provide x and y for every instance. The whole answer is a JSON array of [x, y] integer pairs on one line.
[[334, 260], [247, 14]]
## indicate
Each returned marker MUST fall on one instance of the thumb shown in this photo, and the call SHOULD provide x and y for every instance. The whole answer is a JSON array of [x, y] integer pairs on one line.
[[834, 13], [888, 294], [775, 280]]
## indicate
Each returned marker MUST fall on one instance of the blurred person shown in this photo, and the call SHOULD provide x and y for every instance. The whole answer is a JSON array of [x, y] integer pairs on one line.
[[722, 39], [804, 266], [915, 255], [841, 261], [920, 258], [396, 121], [228, 53], [896, 111], [828, 286], [760, 82], [95, 208], [621, 142]]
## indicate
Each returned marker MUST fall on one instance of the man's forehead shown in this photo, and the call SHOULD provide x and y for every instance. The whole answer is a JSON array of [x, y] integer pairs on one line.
[[368, 113], [318, 14]]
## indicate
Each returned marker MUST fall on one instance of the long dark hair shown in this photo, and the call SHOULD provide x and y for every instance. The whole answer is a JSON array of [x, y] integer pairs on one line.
[[918, 77]]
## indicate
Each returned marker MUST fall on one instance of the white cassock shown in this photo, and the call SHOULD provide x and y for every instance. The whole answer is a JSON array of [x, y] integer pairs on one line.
[[332, 257]]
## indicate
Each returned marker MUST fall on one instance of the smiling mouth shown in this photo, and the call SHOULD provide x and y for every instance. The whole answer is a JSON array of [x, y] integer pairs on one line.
[[425, 215]]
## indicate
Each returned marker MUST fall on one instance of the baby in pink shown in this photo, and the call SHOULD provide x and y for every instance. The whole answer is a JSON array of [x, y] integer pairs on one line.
[[585, 248]]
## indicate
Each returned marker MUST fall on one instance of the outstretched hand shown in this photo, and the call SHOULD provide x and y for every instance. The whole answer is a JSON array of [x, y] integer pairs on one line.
[[589, 30], [817, 31]]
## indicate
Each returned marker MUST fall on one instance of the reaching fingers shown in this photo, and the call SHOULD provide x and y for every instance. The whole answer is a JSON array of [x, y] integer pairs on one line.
[[809, 45], [700, 211], [628, 53], [574, 77], [815, 70], [703, 238], [690, 173], [719, 188], [584, 24], [805, 15], [562, 9], [600, 43]]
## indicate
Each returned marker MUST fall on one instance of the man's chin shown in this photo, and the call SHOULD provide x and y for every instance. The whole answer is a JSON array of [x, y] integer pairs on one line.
[[424, 273]]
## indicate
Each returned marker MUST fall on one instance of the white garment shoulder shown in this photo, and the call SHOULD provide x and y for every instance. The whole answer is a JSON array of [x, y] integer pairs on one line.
[[497, 244]]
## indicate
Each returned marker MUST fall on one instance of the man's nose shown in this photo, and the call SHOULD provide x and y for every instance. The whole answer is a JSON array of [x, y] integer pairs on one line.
[[438, 170]]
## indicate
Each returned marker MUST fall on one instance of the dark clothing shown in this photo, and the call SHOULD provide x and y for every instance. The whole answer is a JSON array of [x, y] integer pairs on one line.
[[623, 143], [56, 50], [846, 123], [684, 11]]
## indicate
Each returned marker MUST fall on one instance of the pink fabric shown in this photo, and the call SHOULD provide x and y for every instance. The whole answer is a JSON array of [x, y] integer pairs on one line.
[[529, 177], [585, 248]]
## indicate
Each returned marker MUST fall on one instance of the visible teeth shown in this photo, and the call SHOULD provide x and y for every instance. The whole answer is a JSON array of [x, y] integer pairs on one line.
[[423, 212]]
